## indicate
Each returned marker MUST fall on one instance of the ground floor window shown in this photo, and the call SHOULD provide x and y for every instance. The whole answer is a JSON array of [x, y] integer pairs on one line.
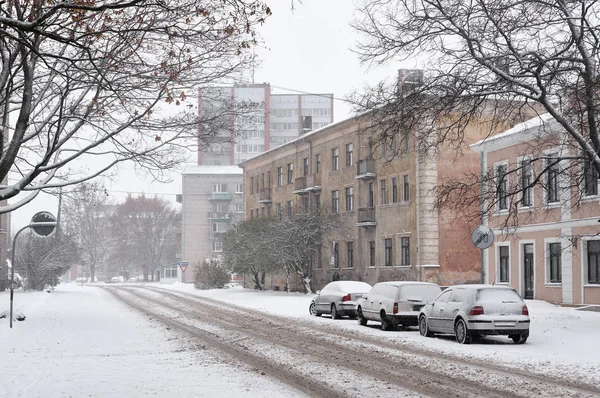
[[388, 252], [554, 262], [593, 258], [503, 265], [171, 271]]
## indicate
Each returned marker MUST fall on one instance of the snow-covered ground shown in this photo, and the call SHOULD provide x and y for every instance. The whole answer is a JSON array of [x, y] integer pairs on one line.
[[563, 341], [79, 341]]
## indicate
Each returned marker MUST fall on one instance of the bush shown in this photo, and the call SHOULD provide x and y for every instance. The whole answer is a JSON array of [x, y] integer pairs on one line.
[[210, 274]]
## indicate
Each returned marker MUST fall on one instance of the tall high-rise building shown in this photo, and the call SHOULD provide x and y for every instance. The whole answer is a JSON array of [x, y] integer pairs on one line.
[[244, 120]]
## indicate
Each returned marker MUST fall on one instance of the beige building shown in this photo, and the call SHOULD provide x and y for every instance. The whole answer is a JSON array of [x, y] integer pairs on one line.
[[553, 252], [395, 232], [212, 198]]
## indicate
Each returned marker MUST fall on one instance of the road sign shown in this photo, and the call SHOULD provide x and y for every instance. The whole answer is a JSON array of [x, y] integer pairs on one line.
[[482, 237], [43, 223], [183, 265]]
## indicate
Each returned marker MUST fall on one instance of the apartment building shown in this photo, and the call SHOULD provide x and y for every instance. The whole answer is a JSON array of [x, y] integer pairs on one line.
[[212, 199], [553, 252], [396, 232], [250, 119]]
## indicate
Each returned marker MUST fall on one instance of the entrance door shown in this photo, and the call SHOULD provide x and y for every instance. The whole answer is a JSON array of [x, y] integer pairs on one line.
[[528, 266]]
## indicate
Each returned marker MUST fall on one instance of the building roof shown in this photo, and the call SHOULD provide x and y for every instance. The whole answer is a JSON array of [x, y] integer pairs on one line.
[[234, 170], [520, 133]]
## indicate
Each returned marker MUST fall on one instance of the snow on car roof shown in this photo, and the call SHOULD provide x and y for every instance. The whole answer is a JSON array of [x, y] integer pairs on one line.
[[351, 285], [399, 283], [483, 286]]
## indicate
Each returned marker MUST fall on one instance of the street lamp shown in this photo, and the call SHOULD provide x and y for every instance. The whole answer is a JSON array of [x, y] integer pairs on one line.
[[43, 224]]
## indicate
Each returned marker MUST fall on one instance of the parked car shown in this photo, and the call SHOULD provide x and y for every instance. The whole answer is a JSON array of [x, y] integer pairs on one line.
[[117, 279], [81, 280], [338, 299], [395, 303], [471, 311]]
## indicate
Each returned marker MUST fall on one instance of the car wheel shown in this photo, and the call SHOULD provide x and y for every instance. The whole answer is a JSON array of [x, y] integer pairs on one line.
[[519, 338], [334, 312], [313, 310], [361, 318], [424, 327], [386, 324], [463, 335]]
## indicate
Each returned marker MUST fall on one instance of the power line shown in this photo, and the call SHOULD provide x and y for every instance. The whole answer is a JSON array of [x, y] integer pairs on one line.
[[307, 93]]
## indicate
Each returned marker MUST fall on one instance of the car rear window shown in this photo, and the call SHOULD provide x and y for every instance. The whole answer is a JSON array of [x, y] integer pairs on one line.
[[504, 295], [418, 292]]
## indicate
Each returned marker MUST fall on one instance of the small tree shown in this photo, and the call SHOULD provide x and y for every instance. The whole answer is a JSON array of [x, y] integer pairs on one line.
[[248, 248], [211, 274]]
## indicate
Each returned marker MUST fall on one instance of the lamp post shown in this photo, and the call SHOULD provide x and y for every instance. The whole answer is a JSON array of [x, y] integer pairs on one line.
[[43, 224]]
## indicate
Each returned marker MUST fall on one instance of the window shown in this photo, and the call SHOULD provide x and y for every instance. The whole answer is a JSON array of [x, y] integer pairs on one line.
[[239, 188], [349, 152], [350, 254], [262, 181], [501, 188], [554, 262], [404, 143], [593, 257], [279, 211], [388, 252], [251, 214], [383, 192], [349, 199], [305, 164], [289, 208], [220, 207], [590, 179], [552, 180], [372, 253], [216, 188], [336, 256], [371, 195], [257, 182], [503, 264], [305, 203], [405, 251], [335, 201], [406, 190], [171, 270], [318, 163], [280, 176], [335, 157], [290, 173], [526, 178], [239, 207], [217, 246], [394, 190]]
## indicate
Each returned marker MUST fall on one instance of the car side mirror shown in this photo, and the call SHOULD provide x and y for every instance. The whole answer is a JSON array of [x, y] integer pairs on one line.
[[431, 302], [318, 292]]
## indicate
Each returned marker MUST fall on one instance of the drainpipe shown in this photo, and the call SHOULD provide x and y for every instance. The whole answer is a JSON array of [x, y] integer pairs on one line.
[[482, 170], [418, 194]]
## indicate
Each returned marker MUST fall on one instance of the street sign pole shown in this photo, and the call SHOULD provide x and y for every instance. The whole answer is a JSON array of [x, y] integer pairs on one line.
[[482, 237]]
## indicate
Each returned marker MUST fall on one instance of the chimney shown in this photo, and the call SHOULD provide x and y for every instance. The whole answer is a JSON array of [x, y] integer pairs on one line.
[[409, 80]]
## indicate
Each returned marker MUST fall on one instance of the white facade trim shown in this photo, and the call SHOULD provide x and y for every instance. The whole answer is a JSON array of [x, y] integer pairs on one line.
[[567, 265], [581, 222]]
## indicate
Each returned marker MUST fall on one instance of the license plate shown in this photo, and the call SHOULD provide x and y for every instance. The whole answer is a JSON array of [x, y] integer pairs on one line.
[[505, 324]]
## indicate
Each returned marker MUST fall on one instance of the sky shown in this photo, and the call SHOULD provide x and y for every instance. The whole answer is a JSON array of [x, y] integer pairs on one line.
[[308, 49]]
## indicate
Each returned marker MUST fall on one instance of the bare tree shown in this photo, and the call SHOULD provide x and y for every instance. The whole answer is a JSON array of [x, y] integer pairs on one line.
[[86, 215], [490, 63], [146, 233], [86, 85], [248, 248]]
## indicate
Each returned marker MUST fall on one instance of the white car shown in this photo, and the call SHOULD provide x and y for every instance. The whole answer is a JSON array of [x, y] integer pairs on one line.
[[338, 299], [396, 303], [472, 311]]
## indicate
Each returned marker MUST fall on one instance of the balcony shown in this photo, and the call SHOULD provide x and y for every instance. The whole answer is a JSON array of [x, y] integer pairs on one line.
[[219, 216], [300, 186], [366, 217], [313, 182], [365, 169], [264, 196], [220, 196]]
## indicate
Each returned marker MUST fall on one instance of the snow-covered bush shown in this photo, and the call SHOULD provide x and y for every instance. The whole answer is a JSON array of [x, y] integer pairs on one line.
[[210, 274]]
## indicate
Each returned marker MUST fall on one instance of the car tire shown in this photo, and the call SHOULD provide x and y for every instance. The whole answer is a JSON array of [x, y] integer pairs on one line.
[[334, 312], [424, 327], [519, 338], [312, 309], [361, 318], [386, 324], [462, 333]]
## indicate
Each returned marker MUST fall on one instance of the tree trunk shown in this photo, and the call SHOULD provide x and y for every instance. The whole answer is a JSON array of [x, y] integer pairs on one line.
[[287, 279], [307, 284], [256, 279], [92, 273]]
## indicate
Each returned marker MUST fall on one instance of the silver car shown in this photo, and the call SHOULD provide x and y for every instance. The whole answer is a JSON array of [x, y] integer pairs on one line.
[[338, 299], [472, 311]]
